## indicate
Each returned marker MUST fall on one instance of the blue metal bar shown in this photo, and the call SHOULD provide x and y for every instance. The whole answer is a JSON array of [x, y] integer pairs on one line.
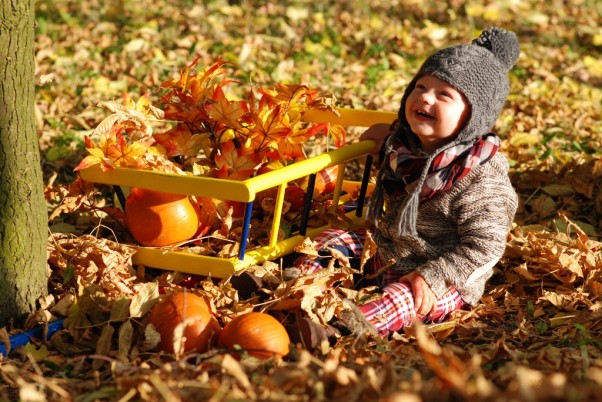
[[245, 231], [120, 196], [364, 187], [309, 195]]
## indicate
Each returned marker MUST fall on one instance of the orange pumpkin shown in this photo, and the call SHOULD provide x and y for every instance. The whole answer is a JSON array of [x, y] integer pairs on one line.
[[185, 308], [159, 219], [260, 334], [296, 196]]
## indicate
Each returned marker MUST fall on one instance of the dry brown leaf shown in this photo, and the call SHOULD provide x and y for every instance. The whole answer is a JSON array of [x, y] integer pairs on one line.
[[103, 345], [368, 250], [125, 340], [146, 296], [232, 367], [308, 247]]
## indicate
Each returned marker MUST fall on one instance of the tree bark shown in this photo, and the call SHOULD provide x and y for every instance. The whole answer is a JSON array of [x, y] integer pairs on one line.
[[23, 216]]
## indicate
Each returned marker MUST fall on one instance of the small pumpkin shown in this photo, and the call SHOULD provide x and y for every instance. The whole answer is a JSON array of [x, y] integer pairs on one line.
[[184, 308], [260, 334], [296, 196], [160, 219]]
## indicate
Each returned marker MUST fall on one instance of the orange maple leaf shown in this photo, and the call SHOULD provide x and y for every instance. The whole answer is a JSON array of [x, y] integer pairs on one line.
[[236, 163], [114, 150], [291, 146], [267, 124], [130, 116], [96, 155], [291, 94], [195, 89], [338, 134], [186, 113], [121, 153], [142, 106], [180, 141], [226, 112]]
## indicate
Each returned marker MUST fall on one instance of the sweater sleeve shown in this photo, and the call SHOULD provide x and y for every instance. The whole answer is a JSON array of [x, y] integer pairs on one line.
[[483, 212]]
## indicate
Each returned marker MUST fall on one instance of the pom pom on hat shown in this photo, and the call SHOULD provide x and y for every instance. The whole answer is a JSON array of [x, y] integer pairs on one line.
[[503, 44]]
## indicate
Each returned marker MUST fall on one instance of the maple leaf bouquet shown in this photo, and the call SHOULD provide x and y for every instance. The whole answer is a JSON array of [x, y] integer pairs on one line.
[[195, 128], [212, 134]]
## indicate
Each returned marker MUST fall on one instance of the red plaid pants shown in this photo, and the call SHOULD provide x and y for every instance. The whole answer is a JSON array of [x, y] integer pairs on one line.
[[395, 309]]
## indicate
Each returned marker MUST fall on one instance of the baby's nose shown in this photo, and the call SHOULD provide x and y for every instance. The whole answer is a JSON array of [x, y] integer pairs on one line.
[[427, 97]]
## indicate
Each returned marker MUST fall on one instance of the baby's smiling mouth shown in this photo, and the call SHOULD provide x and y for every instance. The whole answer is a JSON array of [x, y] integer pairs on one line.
[[424, 115]]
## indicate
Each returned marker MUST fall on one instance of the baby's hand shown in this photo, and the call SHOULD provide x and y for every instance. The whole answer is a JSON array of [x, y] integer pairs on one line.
[[425, 300], [377, 133]]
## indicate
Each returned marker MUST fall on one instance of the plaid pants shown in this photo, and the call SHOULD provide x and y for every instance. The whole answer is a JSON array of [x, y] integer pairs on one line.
[[395, 309]]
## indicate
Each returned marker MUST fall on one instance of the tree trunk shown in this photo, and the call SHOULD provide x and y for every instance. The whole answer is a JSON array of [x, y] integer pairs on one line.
[[23, 216]]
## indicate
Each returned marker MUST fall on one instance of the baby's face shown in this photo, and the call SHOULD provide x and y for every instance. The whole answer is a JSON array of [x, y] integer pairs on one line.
[[436, 111]]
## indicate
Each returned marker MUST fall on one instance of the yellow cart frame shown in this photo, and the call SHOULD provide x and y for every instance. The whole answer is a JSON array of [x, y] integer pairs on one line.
[[246, 191]]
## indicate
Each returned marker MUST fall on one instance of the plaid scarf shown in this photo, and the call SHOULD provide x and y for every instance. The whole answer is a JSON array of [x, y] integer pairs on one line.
[[405, 163]]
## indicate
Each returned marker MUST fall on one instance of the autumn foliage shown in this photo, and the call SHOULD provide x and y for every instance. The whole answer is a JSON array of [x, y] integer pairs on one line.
[[208, 133], [535, 336], [196, 129]]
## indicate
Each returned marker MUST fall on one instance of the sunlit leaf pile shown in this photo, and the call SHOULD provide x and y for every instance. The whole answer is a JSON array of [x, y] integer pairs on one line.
[[536, 335]]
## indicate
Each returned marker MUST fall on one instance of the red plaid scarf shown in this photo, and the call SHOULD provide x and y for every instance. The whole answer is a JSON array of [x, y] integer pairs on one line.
[[451, 165]]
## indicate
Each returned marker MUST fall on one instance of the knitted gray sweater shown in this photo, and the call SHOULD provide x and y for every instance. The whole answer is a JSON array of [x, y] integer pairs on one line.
[[461, 232]]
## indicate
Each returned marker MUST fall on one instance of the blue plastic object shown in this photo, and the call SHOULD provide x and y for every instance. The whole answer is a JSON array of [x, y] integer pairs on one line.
[[36, 332]]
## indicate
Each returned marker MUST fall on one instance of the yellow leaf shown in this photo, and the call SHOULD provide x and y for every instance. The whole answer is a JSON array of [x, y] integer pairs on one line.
[[88, 161], [537, 18], [376, 22], [313, 48], [39, 354], [297, 13], [593, 65], [474, 9], [492, 13], [587, 228], [145, 298], [558, 189], [520, 139]]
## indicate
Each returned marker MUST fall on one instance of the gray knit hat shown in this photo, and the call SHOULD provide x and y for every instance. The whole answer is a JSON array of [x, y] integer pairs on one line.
[[478, 70]]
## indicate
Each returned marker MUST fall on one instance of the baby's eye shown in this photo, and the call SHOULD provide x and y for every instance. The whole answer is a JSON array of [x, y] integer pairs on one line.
[[446, 94]]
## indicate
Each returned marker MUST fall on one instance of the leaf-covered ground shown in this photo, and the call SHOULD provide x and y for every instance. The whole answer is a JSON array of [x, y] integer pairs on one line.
[[535, 336]]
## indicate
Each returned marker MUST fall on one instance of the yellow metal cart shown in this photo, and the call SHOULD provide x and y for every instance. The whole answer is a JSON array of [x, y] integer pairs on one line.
[[246, 191]]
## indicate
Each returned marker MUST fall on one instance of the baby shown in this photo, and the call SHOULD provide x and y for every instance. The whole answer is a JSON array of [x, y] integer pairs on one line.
[[443, 201]]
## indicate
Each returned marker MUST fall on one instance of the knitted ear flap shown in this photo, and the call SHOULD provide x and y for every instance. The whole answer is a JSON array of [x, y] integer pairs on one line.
[[503, 44]]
